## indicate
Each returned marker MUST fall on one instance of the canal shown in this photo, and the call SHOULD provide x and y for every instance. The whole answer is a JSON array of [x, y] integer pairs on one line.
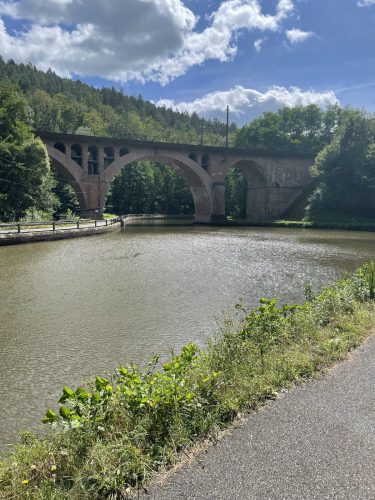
[[73, 308]]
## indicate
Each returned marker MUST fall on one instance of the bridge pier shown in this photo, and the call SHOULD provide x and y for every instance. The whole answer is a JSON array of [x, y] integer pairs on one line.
[[218, 202], [91, 214]]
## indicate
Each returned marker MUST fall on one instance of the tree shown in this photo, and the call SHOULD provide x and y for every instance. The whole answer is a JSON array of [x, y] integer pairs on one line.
[[144, 187], [25, 177], [345, 170], [235, 194], [299, 130]]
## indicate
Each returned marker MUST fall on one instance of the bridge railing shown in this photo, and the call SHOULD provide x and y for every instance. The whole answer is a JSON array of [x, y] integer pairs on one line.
[[55, 225]]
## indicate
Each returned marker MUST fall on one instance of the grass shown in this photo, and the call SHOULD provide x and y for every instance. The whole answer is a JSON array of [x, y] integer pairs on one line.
[[109, 216], [117, 431]]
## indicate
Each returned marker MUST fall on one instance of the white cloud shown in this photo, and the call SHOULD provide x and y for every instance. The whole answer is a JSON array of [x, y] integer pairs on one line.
[[132, 39], [246, 104], [297, 36], [366, 3], [258, 44]]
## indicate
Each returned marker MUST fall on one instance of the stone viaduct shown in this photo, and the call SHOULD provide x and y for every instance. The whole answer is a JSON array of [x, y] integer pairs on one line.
[[91, 163]]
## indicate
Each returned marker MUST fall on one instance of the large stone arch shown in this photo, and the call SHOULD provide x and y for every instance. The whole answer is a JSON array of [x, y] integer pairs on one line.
[[273, 184], [72, 172], [198, 181], [257, 198]]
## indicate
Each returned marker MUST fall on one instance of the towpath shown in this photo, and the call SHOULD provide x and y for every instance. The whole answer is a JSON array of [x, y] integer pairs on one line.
[[316, 442]]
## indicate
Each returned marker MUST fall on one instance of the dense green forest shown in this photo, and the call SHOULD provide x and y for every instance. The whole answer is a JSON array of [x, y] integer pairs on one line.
[[70, 106], [341, 139]]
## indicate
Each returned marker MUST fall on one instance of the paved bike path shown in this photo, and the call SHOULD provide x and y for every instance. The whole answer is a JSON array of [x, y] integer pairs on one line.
[[317, 442]]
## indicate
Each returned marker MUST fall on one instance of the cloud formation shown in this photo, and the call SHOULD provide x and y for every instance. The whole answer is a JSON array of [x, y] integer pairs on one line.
[[295, 35], [247, 104], [366, 3], [133, 39]]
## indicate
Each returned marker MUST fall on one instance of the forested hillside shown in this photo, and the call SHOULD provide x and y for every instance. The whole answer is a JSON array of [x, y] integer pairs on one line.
[[70, 106]]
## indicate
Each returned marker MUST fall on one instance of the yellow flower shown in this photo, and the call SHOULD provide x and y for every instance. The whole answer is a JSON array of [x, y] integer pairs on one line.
[[53, 468], [25, 481]]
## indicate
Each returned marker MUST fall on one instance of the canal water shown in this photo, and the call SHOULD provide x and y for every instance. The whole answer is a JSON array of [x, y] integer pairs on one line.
[[73, 308]]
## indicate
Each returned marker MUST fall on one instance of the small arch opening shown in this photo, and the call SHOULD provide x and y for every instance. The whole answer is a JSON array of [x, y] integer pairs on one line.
[[193, 156], [93, 163], [76, 154], [124, 151], [109, 156], [60, 147], [205, 162]]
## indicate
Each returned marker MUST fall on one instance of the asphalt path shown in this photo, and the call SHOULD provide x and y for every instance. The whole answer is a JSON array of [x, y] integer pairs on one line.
[[315, 442]]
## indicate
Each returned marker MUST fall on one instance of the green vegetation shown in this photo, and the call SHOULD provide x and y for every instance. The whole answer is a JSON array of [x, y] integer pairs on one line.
[[345, 170], [342, 193], [147, 188], [235, 194], [114, 433], [62, 105], [72, 107], [301, 130], [25, 176]]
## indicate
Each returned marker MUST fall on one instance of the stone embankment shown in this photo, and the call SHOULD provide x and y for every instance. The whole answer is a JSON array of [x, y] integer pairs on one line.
[[56, 231], [16, 233]]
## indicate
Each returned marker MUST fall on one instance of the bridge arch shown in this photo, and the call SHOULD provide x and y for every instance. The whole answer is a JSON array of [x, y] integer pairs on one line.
[[71, 171], [256, 188], [195, 177]]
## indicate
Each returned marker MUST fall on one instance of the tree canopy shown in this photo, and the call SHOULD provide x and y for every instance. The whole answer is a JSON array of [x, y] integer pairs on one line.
[[345, 170], [150, 188], [65, 105], [25, 177], [299, 130]]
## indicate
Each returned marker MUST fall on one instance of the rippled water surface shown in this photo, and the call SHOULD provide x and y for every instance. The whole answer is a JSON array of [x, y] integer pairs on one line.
[[76, 307]]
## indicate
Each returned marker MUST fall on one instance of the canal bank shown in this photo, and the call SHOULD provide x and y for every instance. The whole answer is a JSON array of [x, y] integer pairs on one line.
[[57, 231], [51, 231]]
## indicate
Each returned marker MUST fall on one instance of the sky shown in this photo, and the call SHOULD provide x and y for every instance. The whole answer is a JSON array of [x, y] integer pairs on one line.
[[193, 55]]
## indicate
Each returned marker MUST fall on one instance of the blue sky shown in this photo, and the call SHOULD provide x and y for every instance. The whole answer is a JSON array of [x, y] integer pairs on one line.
[[254, 55]]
